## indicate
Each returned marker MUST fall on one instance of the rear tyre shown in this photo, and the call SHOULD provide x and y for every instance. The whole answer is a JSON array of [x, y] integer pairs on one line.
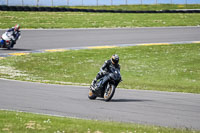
[[109, 92], [9, 46], [91, 95]]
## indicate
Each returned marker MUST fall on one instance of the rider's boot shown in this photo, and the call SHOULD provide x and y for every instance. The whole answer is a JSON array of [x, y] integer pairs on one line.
[[93, 84], [99, 75], [13, 43]]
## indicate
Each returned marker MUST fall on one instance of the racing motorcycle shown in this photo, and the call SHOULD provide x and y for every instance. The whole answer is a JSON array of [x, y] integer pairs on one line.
[[105, 86], [7, 40]]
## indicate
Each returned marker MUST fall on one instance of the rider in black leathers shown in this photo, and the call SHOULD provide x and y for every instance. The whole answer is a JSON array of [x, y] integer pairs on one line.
[[15, 32], [105, 69]]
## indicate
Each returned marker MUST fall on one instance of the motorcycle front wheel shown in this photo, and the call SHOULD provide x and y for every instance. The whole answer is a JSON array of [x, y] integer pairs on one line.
[[109, 92]]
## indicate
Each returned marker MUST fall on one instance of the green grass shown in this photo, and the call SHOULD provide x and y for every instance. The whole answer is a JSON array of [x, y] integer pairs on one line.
[[95, 20], [141, 7], [18, 122], [173, 68]]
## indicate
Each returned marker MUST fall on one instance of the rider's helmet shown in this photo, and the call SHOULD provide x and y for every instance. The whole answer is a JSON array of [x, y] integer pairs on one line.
[[17, 27], [115, 59]]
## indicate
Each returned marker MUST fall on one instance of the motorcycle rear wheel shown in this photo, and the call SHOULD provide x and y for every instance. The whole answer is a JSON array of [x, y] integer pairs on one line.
[[109, 92], [91, 95], [9, 46]]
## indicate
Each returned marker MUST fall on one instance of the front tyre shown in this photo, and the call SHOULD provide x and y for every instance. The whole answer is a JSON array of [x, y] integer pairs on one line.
[[109, 92]]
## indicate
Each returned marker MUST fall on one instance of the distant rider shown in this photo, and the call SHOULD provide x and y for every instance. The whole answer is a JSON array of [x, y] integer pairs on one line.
[[15, 32], [106, 68]]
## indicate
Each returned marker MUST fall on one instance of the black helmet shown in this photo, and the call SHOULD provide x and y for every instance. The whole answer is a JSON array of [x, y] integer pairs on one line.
[[115, 59]]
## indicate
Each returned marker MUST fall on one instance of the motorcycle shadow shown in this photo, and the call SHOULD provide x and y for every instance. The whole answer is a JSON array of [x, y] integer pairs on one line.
[[129, 100], [15, 49]]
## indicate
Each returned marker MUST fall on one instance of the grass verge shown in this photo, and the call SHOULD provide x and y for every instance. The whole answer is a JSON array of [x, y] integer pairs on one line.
[[172, 68], [95, 20], [19, 122]]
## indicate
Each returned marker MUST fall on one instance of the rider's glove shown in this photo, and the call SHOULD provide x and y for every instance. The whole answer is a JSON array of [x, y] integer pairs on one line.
[[103, 72]]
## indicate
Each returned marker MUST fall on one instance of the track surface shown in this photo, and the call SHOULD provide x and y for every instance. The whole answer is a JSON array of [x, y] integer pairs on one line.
[[146, 107], [49, 39]]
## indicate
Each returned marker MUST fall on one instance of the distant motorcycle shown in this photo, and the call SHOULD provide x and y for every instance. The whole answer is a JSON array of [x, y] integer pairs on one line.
[[106, 89], [7, 40]]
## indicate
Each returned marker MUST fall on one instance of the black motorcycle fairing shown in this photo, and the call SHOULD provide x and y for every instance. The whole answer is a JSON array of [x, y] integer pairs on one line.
[[112, 78], [100, 86], [115, 76]]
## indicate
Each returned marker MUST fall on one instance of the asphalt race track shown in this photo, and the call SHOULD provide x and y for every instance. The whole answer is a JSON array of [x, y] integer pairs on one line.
[[50, 39], [144, 107], [136, 106]]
